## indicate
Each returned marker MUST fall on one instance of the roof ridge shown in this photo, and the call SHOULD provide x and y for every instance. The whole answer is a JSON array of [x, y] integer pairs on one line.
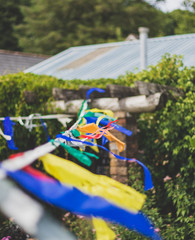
[[102, 45], [173, 37], [4, 51]]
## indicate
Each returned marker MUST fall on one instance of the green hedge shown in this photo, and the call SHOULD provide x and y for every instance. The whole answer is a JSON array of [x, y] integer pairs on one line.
[[166, 140]]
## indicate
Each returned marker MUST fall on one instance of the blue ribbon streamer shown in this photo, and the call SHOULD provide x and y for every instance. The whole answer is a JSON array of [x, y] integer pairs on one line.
[[148, 179], [8, 130], [74, 200], [45, 128], [104, 140], [94, 89], [106, 122]]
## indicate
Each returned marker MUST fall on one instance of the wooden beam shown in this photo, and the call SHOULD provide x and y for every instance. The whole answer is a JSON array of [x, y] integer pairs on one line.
[[139, 104], [111, 91], [135, 104], [116, 91], [72, 107], [121, 91], [106, 103], [151, 88], [83, 92], [65, 94]]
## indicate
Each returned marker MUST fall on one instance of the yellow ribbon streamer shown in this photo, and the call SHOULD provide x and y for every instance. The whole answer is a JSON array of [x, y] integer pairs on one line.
[[94, 148], [70, 173], [103, 232], [99, 119], [105, 111]]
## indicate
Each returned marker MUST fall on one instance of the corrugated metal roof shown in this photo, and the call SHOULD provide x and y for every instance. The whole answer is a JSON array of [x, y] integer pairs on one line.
[[13, 62], [109, 60]]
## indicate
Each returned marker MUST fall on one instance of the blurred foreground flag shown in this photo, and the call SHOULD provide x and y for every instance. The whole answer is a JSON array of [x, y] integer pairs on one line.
[[74, 200]]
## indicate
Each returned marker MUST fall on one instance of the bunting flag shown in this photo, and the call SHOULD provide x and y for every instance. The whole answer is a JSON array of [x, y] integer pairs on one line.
[[102, 229], [103, 232], [97, 134], [104, 140], [94, 89], [148, 178], [76, 189], [92, 127], [30, 214], [95, 147], [72, 199], [8, 130], [84, 107], [7, 137], [45, 129], [81, 156], [70, 173], [98, 112], [106, 122]]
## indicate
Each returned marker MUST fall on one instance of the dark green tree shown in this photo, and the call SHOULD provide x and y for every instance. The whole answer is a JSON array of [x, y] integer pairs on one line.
[[52, 26], [189, 5], [10, 15], [142, 14], [183, 21]]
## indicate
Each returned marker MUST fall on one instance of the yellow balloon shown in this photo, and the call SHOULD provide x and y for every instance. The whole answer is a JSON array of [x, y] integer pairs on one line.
[[70, 173]]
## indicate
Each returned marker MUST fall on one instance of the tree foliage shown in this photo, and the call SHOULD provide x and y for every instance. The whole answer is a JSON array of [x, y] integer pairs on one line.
[[52, 26], [45, 26], [10, 15], [63, 24], [183, 21], [167, 139]]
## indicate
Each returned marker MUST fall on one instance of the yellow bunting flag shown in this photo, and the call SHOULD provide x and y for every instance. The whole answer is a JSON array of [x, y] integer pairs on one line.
[[92, 128], [99, 120], [70, 173], [106, 112], [103, 232]]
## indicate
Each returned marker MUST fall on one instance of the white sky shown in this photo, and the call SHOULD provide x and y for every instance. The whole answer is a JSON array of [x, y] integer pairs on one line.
[[168, 5]]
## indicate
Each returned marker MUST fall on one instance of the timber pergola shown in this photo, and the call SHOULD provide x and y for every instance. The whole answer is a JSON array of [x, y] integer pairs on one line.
[[144, 97], [126, 103]]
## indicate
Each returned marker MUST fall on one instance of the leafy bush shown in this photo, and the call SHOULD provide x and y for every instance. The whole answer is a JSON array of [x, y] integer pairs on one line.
[[166, 140]]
